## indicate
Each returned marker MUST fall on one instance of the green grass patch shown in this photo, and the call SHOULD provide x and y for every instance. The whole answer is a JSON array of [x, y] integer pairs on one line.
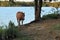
[[56, 27], [50, 16]]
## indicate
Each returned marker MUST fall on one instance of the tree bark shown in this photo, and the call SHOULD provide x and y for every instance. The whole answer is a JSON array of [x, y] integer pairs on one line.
[[38, 5]]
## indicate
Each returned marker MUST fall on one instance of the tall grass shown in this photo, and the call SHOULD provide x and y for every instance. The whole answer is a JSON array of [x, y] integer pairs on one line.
[[11, 32], [50, 16], [56, 27]]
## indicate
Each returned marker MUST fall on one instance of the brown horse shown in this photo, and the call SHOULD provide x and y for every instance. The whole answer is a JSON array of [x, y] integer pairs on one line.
[[20, 17]]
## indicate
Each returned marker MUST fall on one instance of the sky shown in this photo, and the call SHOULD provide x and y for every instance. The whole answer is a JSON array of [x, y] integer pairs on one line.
[[9, 13]]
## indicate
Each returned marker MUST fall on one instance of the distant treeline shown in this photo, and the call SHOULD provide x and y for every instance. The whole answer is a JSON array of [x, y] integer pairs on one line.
[[45, 4], [6, 3]]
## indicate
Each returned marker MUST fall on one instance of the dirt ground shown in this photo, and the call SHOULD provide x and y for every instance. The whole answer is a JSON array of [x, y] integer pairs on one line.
[[42, 30]]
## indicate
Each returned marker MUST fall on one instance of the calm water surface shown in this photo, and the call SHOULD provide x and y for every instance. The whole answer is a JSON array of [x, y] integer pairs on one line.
[[9, 13]]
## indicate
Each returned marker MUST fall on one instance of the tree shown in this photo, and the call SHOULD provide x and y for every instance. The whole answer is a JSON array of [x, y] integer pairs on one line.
[[11, 31], [11, 28], [56, 5], [1, 32], [11, 24], [11, 0], [5, 0], [38, 5]]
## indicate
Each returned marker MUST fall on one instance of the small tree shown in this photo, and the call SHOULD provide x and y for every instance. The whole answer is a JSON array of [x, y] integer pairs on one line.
[[11, 0], [11, 31]]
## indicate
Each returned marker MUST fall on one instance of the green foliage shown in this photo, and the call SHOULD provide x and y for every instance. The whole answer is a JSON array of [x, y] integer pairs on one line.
[[56, 27], [12, 30], [11, 0], [1, 32], [11, 3], [50, 16], [9, 32], [24, 4], [26, 38]]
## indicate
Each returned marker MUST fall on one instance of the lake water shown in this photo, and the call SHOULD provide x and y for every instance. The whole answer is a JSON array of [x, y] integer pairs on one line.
[[9, 13]]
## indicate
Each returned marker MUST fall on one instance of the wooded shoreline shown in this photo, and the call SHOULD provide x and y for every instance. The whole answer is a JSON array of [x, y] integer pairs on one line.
[[18, 4]]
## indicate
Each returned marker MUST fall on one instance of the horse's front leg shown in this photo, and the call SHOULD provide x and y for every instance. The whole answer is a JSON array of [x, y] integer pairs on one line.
[[22, 22], [18, 23]]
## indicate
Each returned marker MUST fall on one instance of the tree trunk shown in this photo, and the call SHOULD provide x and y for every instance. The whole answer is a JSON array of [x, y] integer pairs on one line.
[[38, 5]]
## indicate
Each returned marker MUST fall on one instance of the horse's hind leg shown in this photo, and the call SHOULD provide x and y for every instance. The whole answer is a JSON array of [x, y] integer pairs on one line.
[[18, 24], [22, 22]]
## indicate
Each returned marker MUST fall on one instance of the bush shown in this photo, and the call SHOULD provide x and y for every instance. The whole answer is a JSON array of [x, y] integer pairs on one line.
[[11, 31], [1, 32], [50, 16]]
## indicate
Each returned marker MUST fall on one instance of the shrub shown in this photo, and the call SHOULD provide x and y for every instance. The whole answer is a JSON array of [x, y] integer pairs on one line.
[[0, 34], [50, 16], [11, 31]]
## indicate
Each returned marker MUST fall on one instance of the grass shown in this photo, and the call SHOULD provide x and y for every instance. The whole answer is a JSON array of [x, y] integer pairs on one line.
[[23, 37], [56, 27], [51, 16]]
